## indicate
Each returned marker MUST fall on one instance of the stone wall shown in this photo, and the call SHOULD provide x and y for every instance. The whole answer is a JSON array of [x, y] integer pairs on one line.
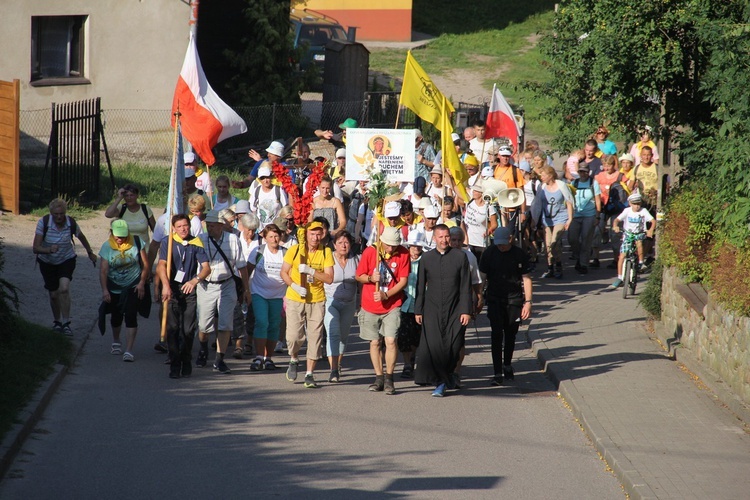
[[720, 341]]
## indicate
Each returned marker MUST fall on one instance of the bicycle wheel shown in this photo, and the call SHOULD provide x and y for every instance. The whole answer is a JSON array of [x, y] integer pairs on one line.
[[633, 278], [626, 277]]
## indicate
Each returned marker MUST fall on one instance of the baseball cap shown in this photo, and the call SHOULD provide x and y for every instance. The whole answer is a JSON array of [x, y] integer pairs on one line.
[[583, 167], [455, 137], [188, 157], [488, 171], [341, 153], [120, 228], [635, 198], [416, 238], [212, 216], [264, 171], [502, 235], [504, 151], [392, 209], [348, 123], [316, 225]]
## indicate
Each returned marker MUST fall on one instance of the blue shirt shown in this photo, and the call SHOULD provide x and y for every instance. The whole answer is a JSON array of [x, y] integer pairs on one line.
[[554, 210], [184, 258], [584, 197]]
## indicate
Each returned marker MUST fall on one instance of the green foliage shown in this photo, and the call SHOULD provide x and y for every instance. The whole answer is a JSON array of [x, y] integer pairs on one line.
[[28, 353], [689, 230], [263, 71], [446, 17], [8, 300], [650, 298], [619, 61]]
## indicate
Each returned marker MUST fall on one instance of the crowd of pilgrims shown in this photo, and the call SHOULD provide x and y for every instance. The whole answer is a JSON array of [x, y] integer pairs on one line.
[[240, 278]]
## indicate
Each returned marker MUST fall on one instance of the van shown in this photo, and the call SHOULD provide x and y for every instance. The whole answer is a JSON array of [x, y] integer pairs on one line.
[[312, 31]]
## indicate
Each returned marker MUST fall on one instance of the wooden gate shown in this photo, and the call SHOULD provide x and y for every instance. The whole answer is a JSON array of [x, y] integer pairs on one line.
[[74, 150], [10, 99]]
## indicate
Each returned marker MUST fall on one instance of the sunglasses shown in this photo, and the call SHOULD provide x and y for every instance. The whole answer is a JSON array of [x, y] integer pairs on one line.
[[263, 178]]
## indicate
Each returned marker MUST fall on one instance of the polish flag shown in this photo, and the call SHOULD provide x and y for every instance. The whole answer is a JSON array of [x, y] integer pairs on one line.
[[501, 121], [205, 119]]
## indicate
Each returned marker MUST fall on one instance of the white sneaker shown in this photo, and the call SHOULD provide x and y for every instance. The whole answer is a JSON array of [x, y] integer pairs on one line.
[[128, 357], [279, 347]]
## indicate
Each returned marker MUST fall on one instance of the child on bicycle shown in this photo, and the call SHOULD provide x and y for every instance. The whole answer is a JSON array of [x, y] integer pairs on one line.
[[638, 224]]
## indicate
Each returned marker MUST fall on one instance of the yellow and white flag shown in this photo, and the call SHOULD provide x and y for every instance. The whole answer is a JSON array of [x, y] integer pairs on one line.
[[451, 162], [420, 95]]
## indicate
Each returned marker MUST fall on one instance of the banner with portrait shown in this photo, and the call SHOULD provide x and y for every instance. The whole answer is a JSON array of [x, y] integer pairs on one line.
[[387, 150]]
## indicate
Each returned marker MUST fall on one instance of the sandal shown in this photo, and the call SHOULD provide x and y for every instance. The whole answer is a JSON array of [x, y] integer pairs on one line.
[[238, 351], [128, 357], [116, 348]]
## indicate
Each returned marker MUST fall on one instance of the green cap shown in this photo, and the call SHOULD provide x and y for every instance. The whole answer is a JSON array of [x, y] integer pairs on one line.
[[120, 228], [348, 123]]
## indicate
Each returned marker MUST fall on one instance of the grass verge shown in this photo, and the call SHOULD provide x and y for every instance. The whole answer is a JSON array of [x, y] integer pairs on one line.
[[29, 353]]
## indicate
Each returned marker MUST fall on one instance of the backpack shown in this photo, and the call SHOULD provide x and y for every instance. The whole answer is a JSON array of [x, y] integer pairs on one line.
[[145, 214], [357, 200], [618, 197], [277, 189], [71, 221], [262, 248], [590, 186]]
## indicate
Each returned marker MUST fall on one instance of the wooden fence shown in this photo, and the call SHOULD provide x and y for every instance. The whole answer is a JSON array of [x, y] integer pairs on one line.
[[10, 98]]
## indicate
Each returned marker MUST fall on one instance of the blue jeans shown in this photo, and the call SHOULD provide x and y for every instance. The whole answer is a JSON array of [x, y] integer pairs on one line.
[[267, 317], [338, 322]]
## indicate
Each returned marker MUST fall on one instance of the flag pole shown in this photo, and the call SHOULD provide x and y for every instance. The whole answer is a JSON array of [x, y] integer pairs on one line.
[[398, 110], [193, 23], [484, 141], [171, 196]]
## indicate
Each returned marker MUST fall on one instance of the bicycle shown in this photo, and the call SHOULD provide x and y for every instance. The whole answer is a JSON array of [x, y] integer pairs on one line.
[[630, 266]]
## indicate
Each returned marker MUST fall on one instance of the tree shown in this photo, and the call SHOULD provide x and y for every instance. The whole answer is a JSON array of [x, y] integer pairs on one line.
[[263, 70], [626, 62]]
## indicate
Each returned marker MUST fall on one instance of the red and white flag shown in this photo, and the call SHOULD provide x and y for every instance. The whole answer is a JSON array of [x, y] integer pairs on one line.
[[205, 119], [501, 121]]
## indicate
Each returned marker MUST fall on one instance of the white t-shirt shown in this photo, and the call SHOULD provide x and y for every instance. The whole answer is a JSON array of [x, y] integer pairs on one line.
[[528, 190], [367, 229], [248, 247], [267, 205], [476, 222], [476, 277], [442, 191], [160, 229], [196, 226], [267, 280], [427, 237], [203, 182], [476, 147], [635, 222]]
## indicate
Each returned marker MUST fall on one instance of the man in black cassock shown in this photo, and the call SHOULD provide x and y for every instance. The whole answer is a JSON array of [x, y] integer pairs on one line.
[[443, 308]]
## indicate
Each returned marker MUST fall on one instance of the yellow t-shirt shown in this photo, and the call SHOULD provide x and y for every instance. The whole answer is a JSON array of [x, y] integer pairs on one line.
[[318, 260], [649, 177]]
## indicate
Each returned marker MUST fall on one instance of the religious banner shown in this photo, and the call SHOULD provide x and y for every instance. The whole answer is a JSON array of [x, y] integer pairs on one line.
[[390, 151]]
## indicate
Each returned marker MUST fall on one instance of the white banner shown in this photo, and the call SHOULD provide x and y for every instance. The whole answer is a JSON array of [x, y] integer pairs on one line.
[[388, 150]]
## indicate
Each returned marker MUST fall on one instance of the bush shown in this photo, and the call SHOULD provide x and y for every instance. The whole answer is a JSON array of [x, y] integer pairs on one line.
[[730, 281], [650, 298]]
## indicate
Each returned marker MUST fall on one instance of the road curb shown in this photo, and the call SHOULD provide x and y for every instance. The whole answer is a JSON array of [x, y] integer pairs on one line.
[[34, 410], [631, 479]]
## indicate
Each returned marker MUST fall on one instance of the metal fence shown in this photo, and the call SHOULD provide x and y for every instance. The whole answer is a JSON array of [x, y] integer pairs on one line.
[[146, 136]]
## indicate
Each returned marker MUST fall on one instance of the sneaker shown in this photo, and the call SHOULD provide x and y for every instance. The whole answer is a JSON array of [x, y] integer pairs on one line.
[[279, 347], [595, 264], [508, 373], [116, 349], [202, 358], [128, 357], [334, 377], [310, 382], [291, 372], [641, 267], [237, 354], [66, 329], [221, 367], [187, 369], [57, 327], [249, 350], [160, 347], [269, 365], [497, 380], [378, 385], [408, 372], [256, 365], [616, 284], [388, 386], [174, 372], [549, 273], [439, 391]]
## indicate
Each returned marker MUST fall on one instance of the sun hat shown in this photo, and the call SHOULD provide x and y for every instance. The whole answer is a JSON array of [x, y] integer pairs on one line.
[[436, 170], [430, 212], [471, 160], [391, 236], [419, 132], [415, 239], [392, 209], [120, 228], [188, 157], [212, 216], [525, 166], [502, 235], [478, 186], [275, 148], [341, 153], [348, 123], [627, 157], [242, 207]]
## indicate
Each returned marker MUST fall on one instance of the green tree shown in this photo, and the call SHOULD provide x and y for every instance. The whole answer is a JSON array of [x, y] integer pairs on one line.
[[263, 70], [626, 62]]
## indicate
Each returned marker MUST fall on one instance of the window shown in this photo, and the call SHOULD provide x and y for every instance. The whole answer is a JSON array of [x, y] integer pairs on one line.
[[57, 50]]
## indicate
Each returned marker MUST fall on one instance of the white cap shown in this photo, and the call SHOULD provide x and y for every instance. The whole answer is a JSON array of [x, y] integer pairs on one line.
[[341, 153], [275, 148], [505, 151], [391, 236], [419, 132], [416, 238], [488, 171], [455, 137], [264, 171], [430, 212], [392, 209], [188, 157], [242, 207], [424, 202]]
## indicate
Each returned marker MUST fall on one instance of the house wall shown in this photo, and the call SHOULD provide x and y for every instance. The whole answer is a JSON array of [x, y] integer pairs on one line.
[[134, 51], [385, 20]]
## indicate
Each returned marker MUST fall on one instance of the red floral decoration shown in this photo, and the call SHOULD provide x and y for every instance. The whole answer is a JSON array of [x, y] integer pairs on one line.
[[303, 205]]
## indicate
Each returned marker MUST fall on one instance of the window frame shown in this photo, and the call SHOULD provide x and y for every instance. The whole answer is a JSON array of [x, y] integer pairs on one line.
[[75, 52]]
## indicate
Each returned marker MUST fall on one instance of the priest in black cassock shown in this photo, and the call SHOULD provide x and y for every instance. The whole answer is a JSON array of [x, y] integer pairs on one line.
[[443, 308]]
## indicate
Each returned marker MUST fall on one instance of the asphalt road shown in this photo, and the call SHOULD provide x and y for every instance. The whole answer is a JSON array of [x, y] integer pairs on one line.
[[125, 430]]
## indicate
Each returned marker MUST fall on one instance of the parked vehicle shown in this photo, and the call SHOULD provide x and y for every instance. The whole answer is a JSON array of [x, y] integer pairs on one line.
[[312, 31]]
